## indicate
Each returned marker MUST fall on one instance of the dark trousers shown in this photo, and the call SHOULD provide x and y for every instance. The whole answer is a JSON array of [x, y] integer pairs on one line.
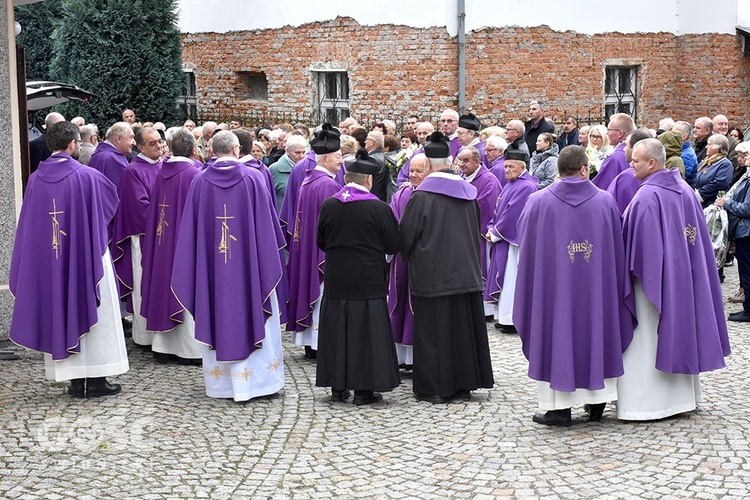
[[742, 254]]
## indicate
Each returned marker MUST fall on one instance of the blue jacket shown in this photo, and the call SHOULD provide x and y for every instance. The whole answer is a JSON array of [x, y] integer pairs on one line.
[[714, 178], [691, 162]]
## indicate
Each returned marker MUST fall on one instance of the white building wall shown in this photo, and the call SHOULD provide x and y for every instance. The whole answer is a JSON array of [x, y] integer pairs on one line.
[[582, 16]]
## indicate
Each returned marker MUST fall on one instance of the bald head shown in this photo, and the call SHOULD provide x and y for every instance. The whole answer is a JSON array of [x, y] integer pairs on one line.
[[53, 118]]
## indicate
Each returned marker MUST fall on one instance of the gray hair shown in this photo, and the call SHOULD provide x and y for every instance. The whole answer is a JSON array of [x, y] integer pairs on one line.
[[653, 148], [721, 141], [182, 142], [260, 145], [497, 142], [118, 129], [441, 162], [706, 122], [377, 138], [223, 142], [474, 152], [517, 125], [685, 128], [743, 147], [88, 131], [666, 124], [52, 118], [169, 134], [294, 141]]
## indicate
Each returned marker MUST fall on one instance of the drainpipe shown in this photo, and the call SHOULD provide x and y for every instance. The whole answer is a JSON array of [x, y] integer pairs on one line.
[[461, 57]]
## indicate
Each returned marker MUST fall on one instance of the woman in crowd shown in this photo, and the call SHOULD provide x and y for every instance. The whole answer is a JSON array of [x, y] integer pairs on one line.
[[736, 133], [258, 151], [714, 172], [598, 148], [543, 163]]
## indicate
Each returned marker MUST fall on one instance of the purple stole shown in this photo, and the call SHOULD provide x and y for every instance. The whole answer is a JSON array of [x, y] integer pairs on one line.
[[399, 294]]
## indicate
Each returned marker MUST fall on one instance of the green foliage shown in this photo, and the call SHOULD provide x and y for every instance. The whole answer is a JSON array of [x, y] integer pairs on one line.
[[127, 52], [37, 22]]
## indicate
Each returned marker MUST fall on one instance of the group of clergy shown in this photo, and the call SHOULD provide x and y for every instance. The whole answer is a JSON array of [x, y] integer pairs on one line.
[[211, 272]]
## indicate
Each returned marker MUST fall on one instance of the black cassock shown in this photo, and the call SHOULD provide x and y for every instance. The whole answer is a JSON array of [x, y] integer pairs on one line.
[[440, 241], [355, 343]]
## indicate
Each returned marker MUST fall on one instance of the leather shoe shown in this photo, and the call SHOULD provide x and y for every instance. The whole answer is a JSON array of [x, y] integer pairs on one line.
[[508, 329], [366, 397], [340, 396], [560, 418], [489, 318], [742, 316], [100, 387], [77, 388], [310, 353], [462, 395], [595, 411], [434, 399]]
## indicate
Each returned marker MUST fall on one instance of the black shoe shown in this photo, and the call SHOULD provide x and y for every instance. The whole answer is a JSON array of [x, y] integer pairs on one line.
[[595, 411], [559, 418], [161, 358], [508, 329], [436, 400], [462, 395], [405, 367], [742, 316], [100, 387], [366, 397], [340, 396], [189, 361], [489, 318], [498, 326], [310, 353], [77, 388]]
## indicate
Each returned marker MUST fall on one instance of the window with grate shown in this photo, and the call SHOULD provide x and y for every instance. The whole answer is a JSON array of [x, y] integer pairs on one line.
[[187, 103], [621, 90], [254, 84], [332, 103]]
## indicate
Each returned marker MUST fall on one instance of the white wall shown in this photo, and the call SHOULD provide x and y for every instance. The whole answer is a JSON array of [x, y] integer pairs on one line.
[[583, 16]]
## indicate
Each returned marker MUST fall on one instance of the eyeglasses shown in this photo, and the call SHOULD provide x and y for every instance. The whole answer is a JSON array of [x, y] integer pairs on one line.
[[489, 150], [595, 137], [448, 120], [614, 130]]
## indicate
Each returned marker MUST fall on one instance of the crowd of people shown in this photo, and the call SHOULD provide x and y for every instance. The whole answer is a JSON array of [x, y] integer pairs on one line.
[[381, 253]]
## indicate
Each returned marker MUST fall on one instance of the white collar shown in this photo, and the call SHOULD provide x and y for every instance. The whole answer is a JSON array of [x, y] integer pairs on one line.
[[323, 169], [146, 158], [357, 186]]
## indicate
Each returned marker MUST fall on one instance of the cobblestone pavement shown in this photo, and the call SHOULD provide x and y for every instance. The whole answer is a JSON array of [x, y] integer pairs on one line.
[[163, 438]]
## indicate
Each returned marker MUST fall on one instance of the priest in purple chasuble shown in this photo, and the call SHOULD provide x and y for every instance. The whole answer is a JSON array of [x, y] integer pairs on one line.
[[619, 127], [502, 232], [569, 305], [306, 260], [356, 230], [296, 177], [675, 294], [399, 292], [470, 164], [494, 148], [134, 192], [61, 273], [226, 270], [624, 186], [173, 328], [440, 242], [246, 146], [468, 136], [110, 156]]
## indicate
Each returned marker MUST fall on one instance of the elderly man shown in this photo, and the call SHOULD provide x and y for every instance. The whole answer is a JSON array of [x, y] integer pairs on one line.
[[110, 157], [128, 116], [468, 136], [536, 124], [38, 150], [441, 246], [134, 192], [423, 131], [494, 149], [675, 294], [355, 348], [207, 131], [246, 146], [374, 147], [721, 126], [189, 124], [296, 148], [66, 296], [488, 190], [583, 136], [279, 148], [226, 272], [619, 128], [502, 233], [346, 124], [689, 158], [399, 291], [514, 133], [305, 258], [703, 128], [569, 135], [569, 306], [449, 128], [89, 141], [172, 328]]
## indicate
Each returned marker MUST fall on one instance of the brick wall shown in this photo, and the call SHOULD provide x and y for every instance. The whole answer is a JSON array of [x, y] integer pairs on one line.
[[396, 70]]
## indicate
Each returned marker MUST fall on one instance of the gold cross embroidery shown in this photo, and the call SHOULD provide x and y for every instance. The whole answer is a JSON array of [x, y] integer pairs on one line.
[[691, 233], [162, 219], [225, 244], [57, 233]]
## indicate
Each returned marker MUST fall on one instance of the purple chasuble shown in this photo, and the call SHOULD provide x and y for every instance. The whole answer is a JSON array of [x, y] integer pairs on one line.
[[569, 306], [623, 188], [403, 174], [399, 294], [163, 218], [134, 192], [254, 163], [668, 248], [448, 186], [510, 203], [306, 260], [454, 146], [228, 259], [611, 167], [57, 255], [110, 161], [498, 170], [347, 194], [488, 190]]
